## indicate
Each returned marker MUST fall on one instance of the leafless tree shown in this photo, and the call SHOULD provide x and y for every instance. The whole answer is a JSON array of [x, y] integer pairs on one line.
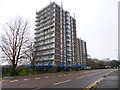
[[13, 41], [30, 52]]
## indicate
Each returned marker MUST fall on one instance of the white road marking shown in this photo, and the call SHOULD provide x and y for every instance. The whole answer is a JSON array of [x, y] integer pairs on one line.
[[14, 81], [89, 74], [59, 75], [26, 79], [95, 73], [37, 78], [65, 75], [80, 77], [46, 77], [62, 82]]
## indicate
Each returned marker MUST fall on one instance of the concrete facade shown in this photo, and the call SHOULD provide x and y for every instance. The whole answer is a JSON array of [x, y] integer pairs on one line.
[[55, 36]]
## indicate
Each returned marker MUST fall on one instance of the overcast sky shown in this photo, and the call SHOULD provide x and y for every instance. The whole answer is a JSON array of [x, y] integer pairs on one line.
[[97, 21]]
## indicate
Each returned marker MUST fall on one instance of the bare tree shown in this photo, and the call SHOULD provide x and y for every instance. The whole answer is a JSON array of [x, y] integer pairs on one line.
[[30, 52], [14, 40]]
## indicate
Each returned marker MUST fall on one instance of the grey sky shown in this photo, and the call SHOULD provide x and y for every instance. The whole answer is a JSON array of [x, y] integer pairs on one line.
[[97, 21]]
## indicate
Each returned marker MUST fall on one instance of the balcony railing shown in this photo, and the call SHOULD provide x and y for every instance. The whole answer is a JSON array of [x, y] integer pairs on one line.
[[44, 27], [43, 34]]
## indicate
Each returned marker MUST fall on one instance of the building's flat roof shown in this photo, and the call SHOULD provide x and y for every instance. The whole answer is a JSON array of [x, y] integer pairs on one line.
[[55, 4]]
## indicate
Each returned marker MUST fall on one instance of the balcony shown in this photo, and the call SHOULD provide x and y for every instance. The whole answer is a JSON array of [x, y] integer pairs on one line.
[[46, 13], [45, 18], [44, 27], [43, 34], [39, 40], [47, 54]]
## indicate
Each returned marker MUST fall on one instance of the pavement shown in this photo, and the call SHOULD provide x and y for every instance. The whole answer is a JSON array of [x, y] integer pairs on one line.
[[79, 79]]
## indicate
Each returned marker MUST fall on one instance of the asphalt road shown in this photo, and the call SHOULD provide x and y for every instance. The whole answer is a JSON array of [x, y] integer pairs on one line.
[[109, 81], [80, 79]]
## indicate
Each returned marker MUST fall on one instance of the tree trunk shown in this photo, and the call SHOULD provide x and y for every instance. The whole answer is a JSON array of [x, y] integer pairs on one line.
[[33, 67], [13, 70]]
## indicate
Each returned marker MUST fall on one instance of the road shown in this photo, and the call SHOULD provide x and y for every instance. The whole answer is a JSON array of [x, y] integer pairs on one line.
[[79, 79], [110, 81]]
